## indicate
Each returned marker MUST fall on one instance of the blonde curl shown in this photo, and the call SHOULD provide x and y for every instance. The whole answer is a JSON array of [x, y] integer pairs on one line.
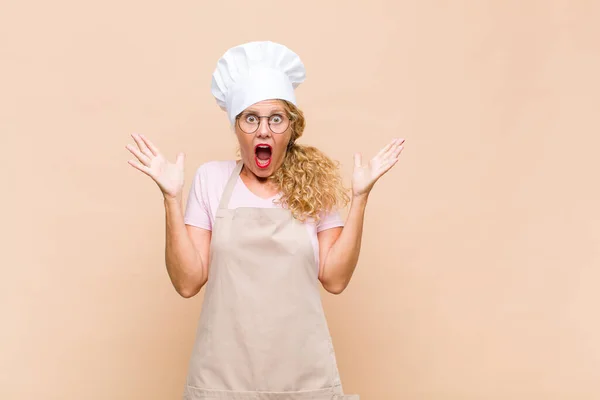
[[308, 179]]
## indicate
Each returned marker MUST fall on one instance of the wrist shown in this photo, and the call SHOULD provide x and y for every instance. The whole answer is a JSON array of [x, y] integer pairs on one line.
[[360, 198], [170, 200]]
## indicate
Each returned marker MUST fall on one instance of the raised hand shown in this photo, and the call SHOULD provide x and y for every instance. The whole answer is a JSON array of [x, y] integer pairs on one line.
[[365, 176], [168, 176]]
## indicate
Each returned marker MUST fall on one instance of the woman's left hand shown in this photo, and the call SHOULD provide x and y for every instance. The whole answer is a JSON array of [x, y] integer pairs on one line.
[[365, 176]]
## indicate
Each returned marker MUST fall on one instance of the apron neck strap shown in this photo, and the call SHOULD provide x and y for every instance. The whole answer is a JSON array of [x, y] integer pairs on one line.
[[224, 203]]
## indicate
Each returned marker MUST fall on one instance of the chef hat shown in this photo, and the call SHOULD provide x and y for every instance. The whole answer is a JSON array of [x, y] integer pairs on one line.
[[255, 71]]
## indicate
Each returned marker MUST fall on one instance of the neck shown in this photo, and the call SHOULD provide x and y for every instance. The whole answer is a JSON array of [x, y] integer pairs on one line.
[[261, 187], [249, 176]]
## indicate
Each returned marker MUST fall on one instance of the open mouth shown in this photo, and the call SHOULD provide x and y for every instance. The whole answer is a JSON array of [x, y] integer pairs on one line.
[[262, 155]]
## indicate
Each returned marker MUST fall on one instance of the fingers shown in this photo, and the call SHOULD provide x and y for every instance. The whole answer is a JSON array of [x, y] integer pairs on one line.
[[387, 162], [180, 161], [357, 159], [397, 151], [139, 166], [385, 149], [389, 150], [392, 158], [142, 145], [396, 143], [150, 145], [386, 166], [142, 157]]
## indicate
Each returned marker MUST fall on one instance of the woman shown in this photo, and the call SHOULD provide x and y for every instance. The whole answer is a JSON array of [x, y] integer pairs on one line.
[[261, 233]]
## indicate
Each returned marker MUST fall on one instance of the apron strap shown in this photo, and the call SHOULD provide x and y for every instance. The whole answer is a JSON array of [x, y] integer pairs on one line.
[[224, 203]]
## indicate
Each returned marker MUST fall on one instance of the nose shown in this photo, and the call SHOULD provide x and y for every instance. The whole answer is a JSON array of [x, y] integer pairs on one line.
[[263, 128]]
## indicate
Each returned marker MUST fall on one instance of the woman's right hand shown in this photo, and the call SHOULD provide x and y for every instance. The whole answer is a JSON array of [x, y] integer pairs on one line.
[[168, 176]]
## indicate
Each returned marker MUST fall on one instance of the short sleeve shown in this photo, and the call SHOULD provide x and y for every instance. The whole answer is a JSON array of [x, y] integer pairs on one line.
[[197, 212], [333, 219]]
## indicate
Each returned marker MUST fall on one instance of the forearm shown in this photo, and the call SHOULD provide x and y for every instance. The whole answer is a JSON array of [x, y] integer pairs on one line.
[[342, 257], [184, 263]]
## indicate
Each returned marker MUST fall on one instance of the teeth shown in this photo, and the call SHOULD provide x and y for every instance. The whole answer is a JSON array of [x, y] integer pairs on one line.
[[262, 163]]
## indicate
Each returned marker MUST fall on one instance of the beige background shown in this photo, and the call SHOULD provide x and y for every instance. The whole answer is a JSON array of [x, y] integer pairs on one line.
[[479, 274]]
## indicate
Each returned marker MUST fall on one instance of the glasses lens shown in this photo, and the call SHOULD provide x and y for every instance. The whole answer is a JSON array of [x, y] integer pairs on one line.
[[248, 122], [278, 123]]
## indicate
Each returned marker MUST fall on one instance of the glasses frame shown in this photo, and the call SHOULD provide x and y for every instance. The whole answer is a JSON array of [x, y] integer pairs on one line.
[[260, 117]]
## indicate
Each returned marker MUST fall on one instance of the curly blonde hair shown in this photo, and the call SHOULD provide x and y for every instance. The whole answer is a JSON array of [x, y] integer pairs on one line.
[[309, 181]]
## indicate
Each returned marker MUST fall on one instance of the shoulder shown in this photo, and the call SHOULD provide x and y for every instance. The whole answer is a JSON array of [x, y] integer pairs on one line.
[[328, 220], [215, 171], [217, 166]]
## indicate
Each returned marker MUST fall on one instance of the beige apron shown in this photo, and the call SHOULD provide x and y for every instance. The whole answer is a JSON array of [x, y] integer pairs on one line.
[[262, 333]]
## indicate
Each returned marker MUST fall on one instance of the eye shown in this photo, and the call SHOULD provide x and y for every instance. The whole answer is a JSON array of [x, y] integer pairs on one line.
[[276, 119], [251, 119]]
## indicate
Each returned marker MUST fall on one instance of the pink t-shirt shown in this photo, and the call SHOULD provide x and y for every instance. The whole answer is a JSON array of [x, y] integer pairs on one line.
[[208, 186]]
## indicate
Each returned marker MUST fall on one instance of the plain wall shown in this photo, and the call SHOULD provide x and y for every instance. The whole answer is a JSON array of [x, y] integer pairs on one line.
[[479, 274]]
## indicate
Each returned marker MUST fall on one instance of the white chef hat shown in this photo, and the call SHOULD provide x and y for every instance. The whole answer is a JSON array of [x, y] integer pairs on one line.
[[256, 71]]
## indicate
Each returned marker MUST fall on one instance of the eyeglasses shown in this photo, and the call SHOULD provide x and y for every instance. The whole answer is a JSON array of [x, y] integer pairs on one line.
[[249, 122]]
